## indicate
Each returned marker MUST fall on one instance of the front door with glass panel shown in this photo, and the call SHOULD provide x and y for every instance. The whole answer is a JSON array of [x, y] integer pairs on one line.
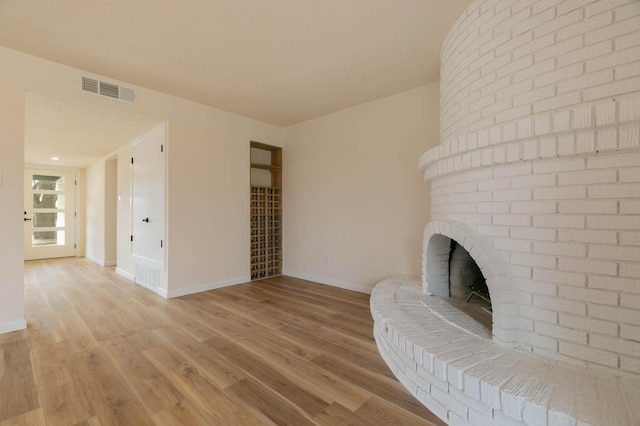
[[49, 214]]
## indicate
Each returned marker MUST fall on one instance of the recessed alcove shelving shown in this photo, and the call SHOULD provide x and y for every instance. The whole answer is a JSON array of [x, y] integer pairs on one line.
[[266, 210]]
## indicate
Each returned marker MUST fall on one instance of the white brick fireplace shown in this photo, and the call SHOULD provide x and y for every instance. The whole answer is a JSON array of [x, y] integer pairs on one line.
[[537, 176]]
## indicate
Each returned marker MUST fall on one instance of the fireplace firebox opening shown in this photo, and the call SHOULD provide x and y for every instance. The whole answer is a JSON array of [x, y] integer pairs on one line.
[[468, 289], [500, 317]]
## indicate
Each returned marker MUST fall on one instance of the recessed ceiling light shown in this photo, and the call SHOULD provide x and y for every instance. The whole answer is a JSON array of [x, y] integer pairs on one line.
[[55, 158]]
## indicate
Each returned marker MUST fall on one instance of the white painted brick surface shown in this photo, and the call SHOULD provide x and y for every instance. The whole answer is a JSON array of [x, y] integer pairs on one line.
[[492, 384], [589, 266], [559, 221], [617, 222], [587, 236], [629, 108], [630, 270], [589, 324], [588, 206], [558, 166], [561, 333], [540, 156], [556, 304], [590, 295], [595, 356], [614, 284], [560, 249]]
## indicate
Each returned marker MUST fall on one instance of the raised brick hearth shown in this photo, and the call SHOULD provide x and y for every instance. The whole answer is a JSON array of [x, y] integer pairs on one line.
[[449, 362], [537, 176]]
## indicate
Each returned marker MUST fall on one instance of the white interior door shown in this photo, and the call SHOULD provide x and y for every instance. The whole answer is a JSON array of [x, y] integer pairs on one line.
[[49, 214], [147, 198]]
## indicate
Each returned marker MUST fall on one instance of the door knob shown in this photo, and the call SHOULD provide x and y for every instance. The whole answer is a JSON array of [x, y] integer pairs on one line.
[[146, 219]]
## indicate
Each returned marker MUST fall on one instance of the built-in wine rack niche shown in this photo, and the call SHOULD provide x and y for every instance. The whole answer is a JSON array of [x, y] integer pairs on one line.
[[266, 211]]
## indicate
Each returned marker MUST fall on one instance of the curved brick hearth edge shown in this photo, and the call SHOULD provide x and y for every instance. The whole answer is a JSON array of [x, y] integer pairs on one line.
[[465, 378]]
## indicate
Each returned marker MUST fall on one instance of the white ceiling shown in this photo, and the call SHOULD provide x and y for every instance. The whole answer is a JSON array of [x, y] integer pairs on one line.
[[277, 61], [76, 132]]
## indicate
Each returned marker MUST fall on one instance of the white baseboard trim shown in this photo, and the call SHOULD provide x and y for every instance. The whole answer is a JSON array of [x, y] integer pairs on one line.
[[110, 263], [95, 260], [207, 287], [125, 274], [10, 326], [328, 281], [157, 290]]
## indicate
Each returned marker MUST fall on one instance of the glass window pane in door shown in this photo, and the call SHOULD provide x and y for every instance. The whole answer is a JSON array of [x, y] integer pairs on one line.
[[48, 220], [48, 238], [48, 201], [48, 183]]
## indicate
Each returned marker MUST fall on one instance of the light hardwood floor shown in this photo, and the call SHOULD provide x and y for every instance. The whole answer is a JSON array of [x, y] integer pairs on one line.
[[100, 350]]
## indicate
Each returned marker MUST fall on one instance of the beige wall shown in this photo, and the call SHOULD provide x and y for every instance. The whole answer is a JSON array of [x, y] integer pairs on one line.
[[11, 207], [110, 211], [354, 203], [100, 211], [208, 217], [95, 212]]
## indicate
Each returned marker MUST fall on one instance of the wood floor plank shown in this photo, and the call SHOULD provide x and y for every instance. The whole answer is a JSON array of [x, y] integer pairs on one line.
[[277, 316], [154, 391], [37, 298], [75, 333], [63, 402], [351, 325], [30, 418], [224, 320], [241, 292], [189, 325], [183, 413], [307, 306], [269, 376], [369, 359], [18, 390], [44, 327], [195, 386], [99, 321], [56, 300], [146, 339], [303, 373], [381, 387], [380, 412], [64, 405], [14, 336], [337, 415], [105, 390], [267, 405], [93, 421], [318, 295], [100, 350], [218, 370], [128, 321], [148, 317], [53, 365]]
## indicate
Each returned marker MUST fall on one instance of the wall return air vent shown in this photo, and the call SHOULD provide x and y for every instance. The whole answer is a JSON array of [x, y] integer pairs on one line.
[[110, 90]]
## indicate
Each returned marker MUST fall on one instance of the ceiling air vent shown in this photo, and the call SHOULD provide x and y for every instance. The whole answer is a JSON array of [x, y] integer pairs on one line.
[[110, 90], [89, 85]]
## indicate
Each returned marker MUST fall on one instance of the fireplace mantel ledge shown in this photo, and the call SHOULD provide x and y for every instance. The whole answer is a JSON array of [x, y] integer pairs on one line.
[[456, 371]]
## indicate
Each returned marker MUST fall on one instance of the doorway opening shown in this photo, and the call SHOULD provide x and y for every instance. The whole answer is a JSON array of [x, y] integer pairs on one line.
[[49, 214]]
